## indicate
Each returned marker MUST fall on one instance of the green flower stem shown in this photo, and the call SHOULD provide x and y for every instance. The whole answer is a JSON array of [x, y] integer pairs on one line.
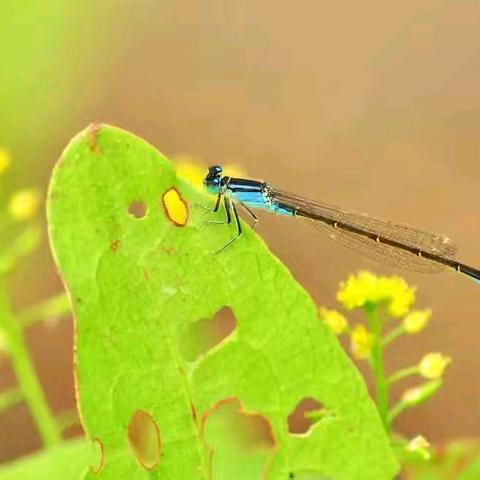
[[10, 398], [56, 306], [392, 335], [381, 383], [396, 411], [23, 244], [26, 376], [404, 372]]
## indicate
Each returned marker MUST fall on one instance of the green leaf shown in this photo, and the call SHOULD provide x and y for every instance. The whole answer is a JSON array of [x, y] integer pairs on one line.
[[138, 285], [65, 461]]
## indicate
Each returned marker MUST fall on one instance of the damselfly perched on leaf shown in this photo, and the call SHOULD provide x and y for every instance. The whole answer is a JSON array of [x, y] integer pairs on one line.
[[392, 243]]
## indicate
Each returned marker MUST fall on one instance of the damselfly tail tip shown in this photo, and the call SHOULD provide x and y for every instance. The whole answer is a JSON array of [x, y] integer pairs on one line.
[[473, 273]]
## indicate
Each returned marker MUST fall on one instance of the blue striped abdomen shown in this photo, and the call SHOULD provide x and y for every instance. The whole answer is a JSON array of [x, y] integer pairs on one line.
[[258, 199]]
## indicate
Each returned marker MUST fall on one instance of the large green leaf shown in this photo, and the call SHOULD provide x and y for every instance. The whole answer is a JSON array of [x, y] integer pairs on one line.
[[63, 462], [138, 285]]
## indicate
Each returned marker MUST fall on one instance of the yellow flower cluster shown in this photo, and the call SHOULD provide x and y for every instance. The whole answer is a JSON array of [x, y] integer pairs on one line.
[[189, 169], [361, 341], [367, 288], [432, 365], [335, 320]]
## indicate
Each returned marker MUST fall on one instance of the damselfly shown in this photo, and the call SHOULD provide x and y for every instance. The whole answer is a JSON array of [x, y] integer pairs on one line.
[[392, 243]]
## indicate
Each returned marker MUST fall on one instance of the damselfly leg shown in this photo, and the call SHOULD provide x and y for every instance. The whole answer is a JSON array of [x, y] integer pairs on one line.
[[228, 215], [230, 205], [215, 207], [255, 218]]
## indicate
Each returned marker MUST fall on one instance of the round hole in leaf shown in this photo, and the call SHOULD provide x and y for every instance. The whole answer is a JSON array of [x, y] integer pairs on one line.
[[137, 209], [144, 439]]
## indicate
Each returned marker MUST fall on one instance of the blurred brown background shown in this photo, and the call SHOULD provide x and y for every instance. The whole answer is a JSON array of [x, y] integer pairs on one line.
[[371, 105]]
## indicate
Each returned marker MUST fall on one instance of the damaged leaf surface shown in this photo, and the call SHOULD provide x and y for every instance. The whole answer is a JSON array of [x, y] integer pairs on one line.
[[139, 282]]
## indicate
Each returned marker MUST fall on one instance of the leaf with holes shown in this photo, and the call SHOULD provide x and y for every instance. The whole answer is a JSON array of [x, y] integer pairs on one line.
[[138, 259]]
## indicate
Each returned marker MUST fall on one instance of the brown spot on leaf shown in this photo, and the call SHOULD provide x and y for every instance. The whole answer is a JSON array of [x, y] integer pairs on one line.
[[194, 412], [101, 462], [92, 136], [137, 209], [169, 250], [144, 439], [114, 245], [146, 275]]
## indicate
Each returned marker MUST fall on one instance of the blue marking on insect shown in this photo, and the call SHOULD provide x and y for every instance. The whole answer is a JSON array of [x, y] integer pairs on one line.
[[283, 209]]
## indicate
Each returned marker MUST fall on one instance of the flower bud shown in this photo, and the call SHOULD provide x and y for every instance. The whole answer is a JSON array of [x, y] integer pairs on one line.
[[432, 365], [335, 320]]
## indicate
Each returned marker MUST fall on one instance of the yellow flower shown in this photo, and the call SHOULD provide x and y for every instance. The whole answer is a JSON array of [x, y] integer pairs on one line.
[[4, 160], [432, 365], [416, 321], [357, 290], [420, 445], [361, 341], [335, 320], [24, 203], [192, 170], [366, 288]]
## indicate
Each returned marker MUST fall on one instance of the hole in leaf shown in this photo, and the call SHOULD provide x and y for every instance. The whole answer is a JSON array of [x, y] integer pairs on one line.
[[175, 207], [137, 209], [237, 440], [99, 447], [306, 413], [144, 439], [204, 334]]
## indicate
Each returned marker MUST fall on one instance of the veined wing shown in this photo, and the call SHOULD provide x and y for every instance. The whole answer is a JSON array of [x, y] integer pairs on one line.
[[392, 243]]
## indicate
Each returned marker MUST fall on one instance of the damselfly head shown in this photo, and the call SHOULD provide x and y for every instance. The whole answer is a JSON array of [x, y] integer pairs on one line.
[[213, 179]]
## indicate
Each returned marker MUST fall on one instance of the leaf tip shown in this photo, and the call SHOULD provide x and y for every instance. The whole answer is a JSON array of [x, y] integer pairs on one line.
[[92, 136]]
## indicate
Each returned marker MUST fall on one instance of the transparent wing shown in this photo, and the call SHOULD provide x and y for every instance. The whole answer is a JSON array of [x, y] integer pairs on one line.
[[367, 227]]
